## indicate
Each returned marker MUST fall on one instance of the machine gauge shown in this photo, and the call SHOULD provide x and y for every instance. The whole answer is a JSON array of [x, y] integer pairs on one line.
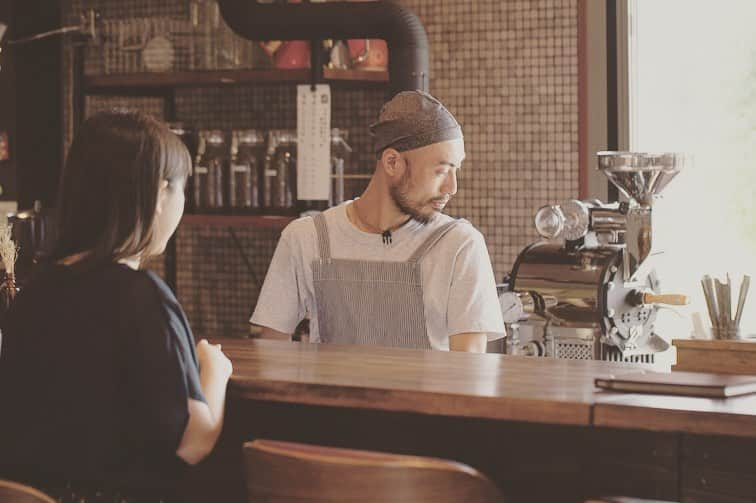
[[577, 219]]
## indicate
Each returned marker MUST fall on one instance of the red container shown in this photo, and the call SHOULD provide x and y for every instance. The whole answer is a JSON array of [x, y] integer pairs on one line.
[[369, 54]]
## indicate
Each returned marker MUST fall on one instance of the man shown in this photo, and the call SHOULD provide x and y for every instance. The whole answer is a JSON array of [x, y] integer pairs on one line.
[[389, 268]]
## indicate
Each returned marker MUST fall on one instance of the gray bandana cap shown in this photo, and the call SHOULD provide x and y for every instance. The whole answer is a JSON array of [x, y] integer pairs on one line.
[[413, 119]]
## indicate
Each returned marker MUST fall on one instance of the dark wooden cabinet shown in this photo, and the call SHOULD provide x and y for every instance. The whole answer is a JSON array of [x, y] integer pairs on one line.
[[7, 111], [31, 106]]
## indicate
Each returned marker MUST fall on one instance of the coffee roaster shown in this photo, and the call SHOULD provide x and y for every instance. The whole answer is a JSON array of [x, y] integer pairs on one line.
[[589, 284]]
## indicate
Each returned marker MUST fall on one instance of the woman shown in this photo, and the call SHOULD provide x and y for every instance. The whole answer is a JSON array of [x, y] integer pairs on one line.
[[104, 395]]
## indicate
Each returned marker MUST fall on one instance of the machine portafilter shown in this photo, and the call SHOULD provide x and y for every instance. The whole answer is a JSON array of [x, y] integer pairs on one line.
[[593, 261]]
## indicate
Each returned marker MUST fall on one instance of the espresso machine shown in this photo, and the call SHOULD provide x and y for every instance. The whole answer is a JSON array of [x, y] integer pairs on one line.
[[588, 289]]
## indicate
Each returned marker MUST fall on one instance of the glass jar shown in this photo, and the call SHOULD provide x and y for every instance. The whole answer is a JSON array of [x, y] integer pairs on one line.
[[281, 170], [227, 50], [247, 158], [212, 154], [188, 137], [340, 152], [205, 19]]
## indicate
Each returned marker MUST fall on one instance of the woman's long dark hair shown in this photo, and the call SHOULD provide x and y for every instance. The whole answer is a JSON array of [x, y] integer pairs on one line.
[[109, 186]]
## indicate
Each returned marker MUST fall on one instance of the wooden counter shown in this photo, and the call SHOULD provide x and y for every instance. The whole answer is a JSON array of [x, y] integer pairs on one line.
[[535, 426], [489, 386]]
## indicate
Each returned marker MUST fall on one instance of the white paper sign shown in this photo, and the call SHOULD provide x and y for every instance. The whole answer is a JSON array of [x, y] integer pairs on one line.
[[313, 142]]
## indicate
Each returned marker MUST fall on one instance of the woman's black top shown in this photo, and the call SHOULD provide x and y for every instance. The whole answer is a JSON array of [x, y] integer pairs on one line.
[[96, 365]]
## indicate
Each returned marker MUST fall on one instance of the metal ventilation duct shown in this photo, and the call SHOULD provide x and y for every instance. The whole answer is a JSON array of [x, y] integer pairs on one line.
[[384, 19]]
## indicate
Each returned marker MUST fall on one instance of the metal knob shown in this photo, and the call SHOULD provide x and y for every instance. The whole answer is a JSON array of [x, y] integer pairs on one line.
[[637, 298]]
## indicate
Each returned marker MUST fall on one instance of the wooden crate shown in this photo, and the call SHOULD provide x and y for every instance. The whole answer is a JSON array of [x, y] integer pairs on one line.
[[721, 356]]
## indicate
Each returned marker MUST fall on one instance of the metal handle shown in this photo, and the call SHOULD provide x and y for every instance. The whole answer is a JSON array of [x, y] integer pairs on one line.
[[672, 299]]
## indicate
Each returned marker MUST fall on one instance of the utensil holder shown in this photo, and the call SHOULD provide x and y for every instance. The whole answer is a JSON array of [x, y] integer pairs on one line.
[[725, 333]]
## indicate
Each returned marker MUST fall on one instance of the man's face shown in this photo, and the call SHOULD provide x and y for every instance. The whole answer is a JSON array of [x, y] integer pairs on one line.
[[429, 179]]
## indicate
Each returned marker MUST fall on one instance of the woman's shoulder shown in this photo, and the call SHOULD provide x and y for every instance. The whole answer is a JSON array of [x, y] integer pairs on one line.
[[143, 285], [145, 297], [90, 278], [105, 290], [120, 276], [105, 280], [160, 286]]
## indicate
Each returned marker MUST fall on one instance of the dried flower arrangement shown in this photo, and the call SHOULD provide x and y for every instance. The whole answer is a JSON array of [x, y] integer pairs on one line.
[[8, 255]]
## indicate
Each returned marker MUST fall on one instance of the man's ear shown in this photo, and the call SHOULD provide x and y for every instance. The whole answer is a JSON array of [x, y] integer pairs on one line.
[[392, 162]]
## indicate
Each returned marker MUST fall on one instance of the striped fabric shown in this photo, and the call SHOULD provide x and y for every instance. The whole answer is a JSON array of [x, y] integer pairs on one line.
[[371, 302]]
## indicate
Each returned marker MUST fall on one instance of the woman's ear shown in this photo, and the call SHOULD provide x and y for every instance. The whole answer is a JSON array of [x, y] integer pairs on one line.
[[162, 192]]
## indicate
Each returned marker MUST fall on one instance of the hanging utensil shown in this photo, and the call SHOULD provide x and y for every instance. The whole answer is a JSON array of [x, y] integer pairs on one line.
[[722, 321], [711, 303], [728, 301], [744, 285]]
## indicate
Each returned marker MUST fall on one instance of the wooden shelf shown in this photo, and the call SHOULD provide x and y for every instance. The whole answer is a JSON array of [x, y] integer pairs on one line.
[[256, 221], [158, 80], [355, 75]]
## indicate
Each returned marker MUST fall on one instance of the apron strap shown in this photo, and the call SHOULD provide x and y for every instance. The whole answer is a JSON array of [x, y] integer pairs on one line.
[[425, 247], [324, 243]]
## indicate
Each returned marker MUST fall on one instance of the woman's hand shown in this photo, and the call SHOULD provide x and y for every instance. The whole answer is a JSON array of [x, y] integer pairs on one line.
[[211, 359], [206, 419]]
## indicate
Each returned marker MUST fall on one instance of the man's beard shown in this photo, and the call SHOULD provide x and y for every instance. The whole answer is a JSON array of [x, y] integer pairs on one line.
[[399, 196]]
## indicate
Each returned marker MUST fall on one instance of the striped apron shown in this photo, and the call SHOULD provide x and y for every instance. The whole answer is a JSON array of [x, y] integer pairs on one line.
[[371, 302]]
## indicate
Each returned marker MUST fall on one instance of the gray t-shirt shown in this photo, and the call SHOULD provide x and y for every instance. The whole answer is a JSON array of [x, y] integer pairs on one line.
[[459, 290]]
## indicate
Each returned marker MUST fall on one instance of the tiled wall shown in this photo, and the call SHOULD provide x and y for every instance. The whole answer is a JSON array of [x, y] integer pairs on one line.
[[507, 69]]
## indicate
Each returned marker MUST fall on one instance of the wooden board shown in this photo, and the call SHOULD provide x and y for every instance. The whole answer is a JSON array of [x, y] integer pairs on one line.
[[94, 84], [722, 356], [734, 416], [249, 221], [491, 386]]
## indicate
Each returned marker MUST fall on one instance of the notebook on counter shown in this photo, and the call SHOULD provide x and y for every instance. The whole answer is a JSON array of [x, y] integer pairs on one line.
[[701, 384]]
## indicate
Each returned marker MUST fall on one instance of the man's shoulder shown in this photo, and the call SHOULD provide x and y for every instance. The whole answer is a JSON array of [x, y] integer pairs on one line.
[[462, 232], [299, 227], [304, 227], [300, 230]]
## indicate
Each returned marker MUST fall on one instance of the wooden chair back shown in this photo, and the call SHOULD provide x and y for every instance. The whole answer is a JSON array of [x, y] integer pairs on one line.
[[279, 472], [623, 499], [14, 492]]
